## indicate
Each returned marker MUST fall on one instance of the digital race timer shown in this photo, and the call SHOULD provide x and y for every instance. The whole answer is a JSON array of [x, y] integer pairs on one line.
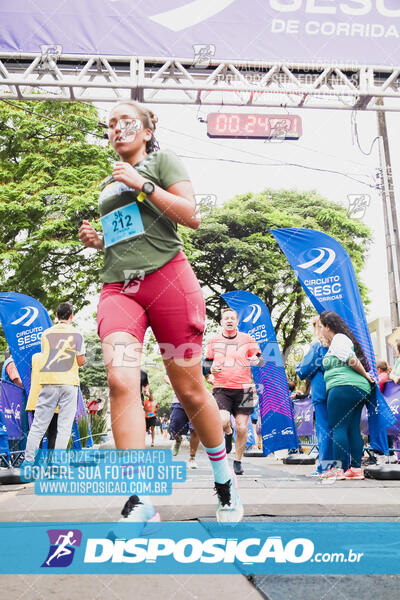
[[243, 125]]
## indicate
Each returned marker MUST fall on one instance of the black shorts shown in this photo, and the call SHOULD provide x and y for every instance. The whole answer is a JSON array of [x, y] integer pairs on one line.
[[237, 402], [180, 424], [150, 422]]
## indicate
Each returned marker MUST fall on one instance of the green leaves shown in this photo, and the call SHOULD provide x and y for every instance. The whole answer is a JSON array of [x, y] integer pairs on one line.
[[50, 170]]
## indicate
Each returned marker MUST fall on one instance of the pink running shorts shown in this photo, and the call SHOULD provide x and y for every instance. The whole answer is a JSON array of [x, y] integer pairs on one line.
[[170, 301]]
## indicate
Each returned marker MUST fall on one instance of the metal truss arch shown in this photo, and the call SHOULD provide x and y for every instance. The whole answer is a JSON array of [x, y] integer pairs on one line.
[[183, 81]]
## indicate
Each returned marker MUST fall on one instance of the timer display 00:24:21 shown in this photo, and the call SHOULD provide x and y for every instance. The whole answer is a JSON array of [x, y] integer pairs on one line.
[[242, 125]]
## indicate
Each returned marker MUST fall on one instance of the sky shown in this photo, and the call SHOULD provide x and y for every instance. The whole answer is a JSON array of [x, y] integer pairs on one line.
[[327, 143]]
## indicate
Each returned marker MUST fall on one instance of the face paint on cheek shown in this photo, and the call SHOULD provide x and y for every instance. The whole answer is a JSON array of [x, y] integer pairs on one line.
[[129, 129]]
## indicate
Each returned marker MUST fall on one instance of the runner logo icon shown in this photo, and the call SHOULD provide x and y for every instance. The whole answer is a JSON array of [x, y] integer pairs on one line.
[[325, 255], [30, 314], [254, 314], [62, 547]]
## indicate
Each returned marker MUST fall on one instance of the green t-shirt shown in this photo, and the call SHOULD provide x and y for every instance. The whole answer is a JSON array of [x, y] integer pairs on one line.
[[337, 370], [160, 241]]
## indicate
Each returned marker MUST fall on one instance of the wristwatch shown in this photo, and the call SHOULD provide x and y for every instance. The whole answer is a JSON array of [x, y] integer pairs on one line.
[[148, 188]]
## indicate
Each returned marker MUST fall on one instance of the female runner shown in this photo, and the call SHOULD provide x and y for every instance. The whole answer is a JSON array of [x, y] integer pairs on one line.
[[147, 280]]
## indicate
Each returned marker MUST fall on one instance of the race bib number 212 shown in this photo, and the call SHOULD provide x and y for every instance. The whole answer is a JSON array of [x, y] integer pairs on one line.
[[122, 224]]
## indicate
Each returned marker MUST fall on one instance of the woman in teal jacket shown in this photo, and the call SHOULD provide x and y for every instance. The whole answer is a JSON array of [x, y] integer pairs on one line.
[[311, 368]]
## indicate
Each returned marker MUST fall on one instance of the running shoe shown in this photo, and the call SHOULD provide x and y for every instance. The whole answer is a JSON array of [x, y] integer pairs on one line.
[[354, 473], [392, 459], [315, 474], [333, 474], [192, 464], [228, 442], [135, 511], [230, 507], [176, 447], [237, 467], [366, 461]]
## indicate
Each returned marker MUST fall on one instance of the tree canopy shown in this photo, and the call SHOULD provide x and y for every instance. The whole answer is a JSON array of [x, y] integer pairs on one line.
[[233, 250], [52, 159]]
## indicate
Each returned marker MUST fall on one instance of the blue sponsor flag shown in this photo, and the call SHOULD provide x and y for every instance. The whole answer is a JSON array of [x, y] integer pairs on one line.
[[326, 273], [278, 430], [23, 320]]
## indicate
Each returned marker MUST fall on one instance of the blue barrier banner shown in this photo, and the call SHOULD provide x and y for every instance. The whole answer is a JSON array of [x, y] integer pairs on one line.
[[326, 273], [391, 394], [197, 548], [4, 447], [12, 405], [23, 320], [352, 32], [278, 429], [304, 416]]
